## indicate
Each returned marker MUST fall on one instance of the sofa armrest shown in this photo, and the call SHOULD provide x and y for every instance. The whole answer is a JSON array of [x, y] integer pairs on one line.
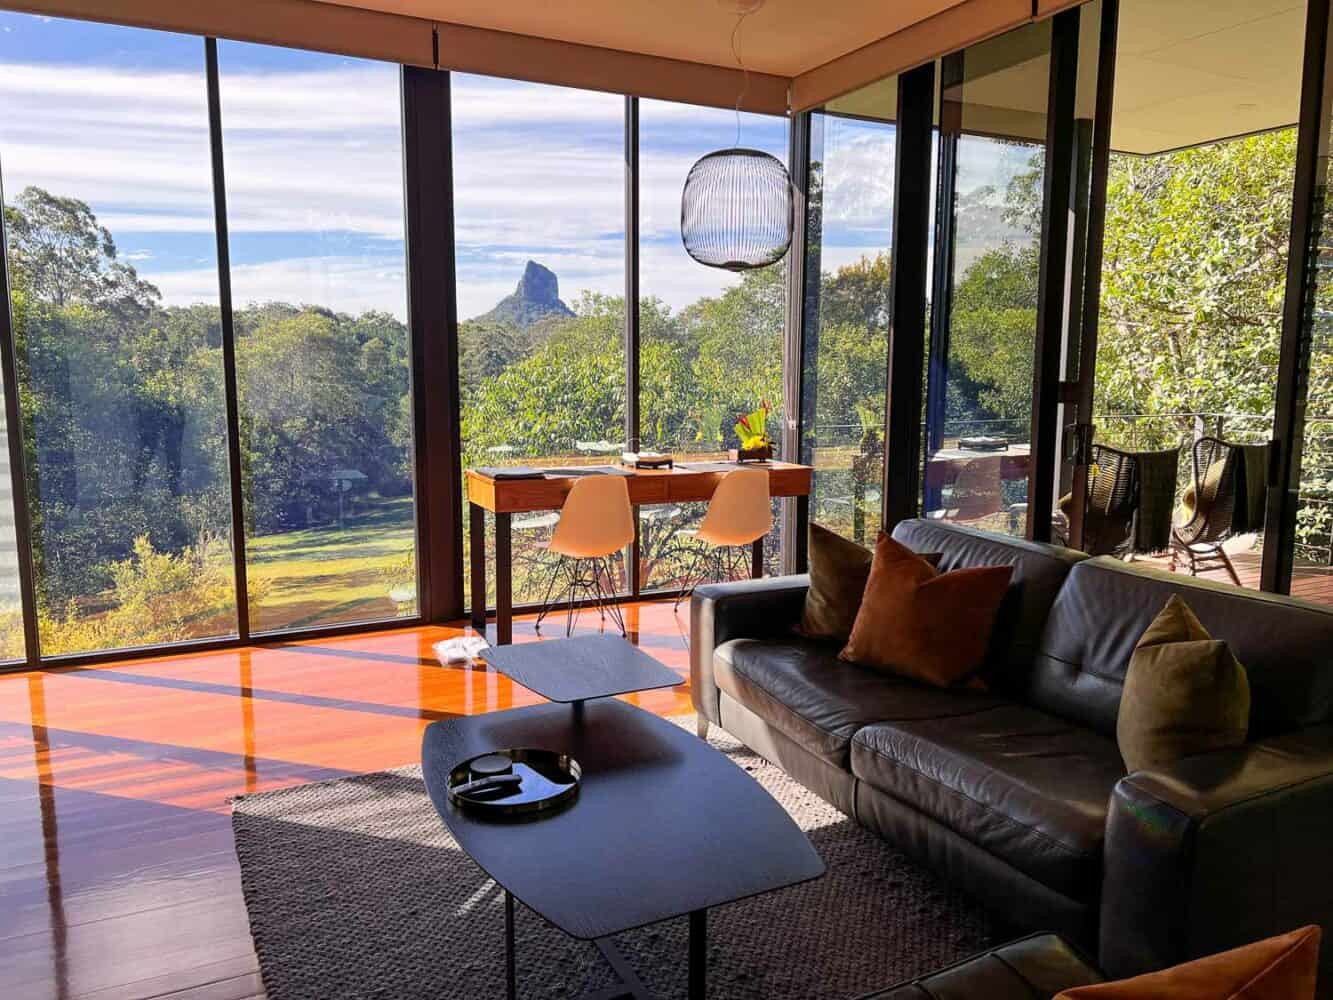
[[1219, 850], [750, 609]]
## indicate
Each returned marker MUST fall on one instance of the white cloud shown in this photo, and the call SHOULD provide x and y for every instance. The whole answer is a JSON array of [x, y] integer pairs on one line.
[[538, 174], [346, 284]]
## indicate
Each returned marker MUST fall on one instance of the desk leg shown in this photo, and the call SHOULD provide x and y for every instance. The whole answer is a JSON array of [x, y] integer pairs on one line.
[[477, 558], [698, 954], [504, 581], [802, 539], [757, 559]]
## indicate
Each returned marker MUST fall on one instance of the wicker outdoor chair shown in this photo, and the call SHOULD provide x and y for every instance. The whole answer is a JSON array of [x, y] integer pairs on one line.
[[1113, 499], [1209, 508]]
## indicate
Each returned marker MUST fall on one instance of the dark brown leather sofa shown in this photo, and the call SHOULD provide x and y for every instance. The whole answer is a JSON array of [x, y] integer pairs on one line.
[[1019, 794], [1036, 967]]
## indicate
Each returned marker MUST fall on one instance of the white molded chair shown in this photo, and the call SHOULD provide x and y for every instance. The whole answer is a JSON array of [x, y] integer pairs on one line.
[[739, 514], [595, 523]]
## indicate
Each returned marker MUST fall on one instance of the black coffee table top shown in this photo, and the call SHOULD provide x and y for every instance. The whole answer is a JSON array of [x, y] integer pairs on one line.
[[664, 824], [592, 666]]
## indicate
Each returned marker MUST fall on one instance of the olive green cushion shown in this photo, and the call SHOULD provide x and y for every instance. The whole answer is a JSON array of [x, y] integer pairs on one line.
[[1185, 693], [839, 569]]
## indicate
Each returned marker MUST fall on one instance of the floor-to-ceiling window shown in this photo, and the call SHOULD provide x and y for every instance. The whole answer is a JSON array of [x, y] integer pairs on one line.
[[710, 340], [849, 229], [1198, 215], [987, 256], [540, 223], [104, 147], [314, 183]]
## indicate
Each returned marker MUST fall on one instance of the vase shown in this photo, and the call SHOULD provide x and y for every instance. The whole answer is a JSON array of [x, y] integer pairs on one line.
[[764, 453]]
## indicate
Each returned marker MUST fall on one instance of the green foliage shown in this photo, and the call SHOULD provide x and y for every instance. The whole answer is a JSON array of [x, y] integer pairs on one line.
[[123, 405], [155, 597], [1195, 264]]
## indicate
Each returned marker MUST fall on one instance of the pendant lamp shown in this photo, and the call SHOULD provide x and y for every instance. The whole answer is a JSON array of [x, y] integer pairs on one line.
[[736, 210]]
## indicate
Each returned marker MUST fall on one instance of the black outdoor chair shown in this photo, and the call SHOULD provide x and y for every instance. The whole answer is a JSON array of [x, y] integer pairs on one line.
[[1210, 507], [1113, 501]]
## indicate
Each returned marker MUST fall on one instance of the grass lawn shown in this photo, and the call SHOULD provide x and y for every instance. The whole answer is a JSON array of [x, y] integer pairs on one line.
[[328, 574]]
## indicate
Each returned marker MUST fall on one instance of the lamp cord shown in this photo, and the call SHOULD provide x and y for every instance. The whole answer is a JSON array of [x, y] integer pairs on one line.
[[736, 52]]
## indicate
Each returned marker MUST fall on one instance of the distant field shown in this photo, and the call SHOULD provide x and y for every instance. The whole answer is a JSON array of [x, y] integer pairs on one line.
[[321, 575]]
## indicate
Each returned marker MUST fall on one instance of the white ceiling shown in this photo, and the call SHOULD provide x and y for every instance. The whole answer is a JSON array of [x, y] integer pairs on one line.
[[784, 37], [1192, 71], [1187, 72]]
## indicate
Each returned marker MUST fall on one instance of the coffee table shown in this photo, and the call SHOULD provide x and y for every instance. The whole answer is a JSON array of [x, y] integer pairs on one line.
[[664, 826], [574, 670]]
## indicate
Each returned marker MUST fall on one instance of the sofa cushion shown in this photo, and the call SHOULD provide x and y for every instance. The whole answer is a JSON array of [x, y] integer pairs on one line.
[[800, 687], [919, 623], [1277, 968], [1105, 606], [1028, 787], [1185, 693], [1038, 573]]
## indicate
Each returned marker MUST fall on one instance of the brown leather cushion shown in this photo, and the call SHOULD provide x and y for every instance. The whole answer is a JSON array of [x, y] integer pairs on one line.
[[1185, 693], [803, 690], [918, 623], [839, 568], [1029, 788], [1278, 968]]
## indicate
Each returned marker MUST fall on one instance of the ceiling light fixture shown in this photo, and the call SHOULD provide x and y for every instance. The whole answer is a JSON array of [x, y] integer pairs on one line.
[[736, 209]]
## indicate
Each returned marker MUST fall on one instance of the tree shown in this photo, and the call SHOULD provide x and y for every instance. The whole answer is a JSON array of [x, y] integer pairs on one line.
[[1195, 264]]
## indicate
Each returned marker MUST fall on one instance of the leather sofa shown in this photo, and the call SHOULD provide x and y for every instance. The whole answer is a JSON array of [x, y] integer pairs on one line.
[[1037, 967], [1018, 793]]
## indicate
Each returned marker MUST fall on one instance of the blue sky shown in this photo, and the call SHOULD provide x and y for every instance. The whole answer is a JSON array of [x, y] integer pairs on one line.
[[117, 117]]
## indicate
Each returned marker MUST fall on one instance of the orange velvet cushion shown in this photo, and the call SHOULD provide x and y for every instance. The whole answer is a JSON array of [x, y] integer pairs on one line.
[[919, 623], [1279, 968]]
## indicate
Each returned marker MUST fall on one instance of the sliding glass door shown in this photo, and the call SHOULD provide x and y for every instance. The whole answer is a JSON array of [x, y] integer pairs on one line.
[[989, 190]]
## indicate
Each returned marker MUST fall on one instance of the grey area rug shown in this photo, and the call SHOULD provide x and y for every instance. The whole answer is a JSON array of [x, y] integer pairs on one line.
[[355, 889]]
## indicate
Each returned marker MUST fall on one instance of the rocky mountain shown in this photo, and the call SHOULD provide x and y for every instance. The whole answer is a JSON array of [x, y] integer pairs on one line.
[[536, 297]]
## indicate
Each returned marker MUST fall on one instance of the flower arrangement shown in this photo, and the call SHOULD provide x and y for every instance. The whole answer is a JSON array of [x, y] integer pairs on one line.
[[752, 428]]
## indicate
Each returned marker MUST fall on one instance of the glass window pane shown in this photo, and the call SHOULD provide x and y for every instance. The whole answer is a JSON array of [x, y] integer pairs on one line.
[[315, 211], [710, 340], [847, 339], [540, 221], [114, 296], [1198, 216], [979, 404]]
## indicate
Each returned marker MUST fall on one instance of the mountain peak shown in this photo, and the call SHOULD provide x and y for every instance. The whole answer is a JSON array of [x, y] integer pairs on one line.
[[536, 297]]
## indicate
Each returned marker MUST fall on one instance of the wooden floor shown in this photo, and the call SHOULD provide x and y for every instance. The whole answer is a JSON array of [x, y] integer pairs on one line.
[[117, 874]]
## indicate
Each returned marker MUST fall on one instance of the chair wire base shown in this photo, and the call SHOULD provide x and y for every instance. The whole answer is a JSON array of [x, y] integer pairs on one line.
[[717, 562], [586, 575]]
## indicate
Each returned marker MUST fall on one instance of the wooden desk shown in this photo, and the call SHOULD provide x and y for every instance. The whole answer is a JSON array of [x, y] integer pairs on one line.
[[505, 497]]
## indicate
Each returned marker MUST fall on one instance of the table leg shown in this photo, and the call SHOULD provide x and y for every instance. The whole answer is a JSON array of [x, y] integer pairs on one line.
[[477, 557], [802, 539], [511, 978], [757, 559], [698, 954], [504, 581]]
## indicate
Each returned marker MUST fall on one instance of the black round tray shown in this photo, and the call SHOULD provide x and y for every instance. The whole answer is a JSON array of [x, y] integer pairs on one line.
[[549, 780]]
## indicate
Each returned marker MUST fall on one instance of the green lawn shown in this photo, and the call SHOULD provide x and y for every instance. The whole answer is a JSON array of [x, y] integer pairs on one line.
[[328, 574]]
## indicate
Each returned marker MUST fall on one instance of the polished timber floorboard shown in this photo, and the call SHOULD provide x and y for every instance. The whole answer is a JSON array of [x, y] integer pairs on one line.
[[117, 875]]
